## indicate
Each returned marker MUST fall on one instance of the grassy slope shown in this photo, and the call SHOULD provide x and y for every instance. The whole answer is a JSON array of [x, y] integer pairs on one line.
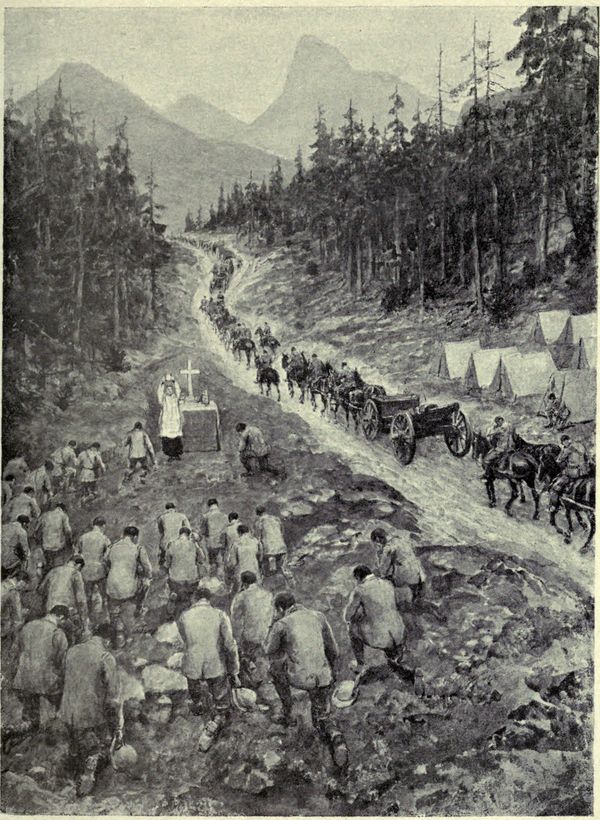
[[318, 314]]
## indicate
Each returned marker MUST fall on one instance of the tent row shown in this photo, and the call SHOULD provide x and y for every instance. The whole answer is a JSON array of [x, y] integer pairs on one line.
[[506, 373], [560, 327]]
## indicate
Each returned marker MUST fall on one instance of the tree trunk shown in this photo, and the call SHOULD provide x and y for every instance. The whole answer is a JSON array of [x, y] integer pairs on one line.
[[420, 267], [79, 282], [125, 307], [350, 265], [397, 238], [476, 268], [542, 226], [359, 268], [370, 260], [443, 229], [461, 249], [116, 308]]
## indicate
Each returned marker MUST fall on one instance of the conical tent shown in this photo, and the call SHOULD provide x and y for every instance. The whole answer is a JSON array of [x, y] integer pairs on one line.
[[522, 375], [549, 324], [585, 355], [577, 390], [483, 365], [452, 358], [578, 327]]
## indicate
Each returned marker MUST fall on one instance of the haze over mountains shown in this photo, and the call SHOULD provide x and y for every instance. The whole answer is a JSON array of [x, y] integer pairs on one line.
[[188, 169], [319, 74], [195, 146]]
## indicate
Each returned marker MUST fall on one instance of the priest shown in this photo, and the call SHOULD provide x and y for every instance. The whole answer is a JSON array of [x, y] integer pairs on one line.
[[169, 394]]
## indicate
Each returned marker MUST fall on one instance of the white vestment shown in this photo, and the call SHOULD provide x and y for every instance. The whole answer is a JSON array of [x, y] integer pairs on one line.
[[170, 414]]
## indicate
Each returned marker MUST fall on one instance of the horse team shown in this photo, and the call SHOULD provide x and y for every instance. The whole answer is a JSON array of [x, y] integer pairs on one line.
[[527, 465]]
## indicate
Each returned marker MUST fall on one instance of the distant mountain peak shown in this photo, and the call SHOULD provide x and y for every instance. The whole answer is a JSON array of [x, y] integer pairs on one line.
[[316, 57]]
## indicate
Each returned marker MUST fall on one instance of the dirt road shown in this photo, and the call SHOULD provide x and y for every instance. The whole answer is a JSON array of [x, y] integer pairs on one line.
[[448, 492]]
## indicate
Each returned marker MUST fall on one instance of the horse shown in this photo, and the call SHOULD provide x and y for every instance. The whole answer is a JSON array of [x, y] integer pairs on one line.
[[480, 448], [580, 499], [270, 342], [518, 466], [267, 375], [295, 373], [246, 345], [323, 386]]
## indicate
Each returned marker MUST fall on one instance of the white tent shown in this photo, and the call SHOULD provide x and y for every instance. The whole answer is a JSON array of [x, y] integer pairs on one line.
[[577, 390], [483, 365], [585, 354], [451, 359], [578, 327], [522, 375], [549, 324]]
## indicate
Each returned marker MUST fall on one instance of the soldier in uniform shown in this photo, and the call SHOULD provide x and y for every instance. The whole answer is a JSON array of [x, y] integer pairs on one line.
[[169, 525], [65, 465], [55, 535], [140, 451], [93, 546], [90, 466], [91, 705], [500, 437], [573, 461], [253, 449], [213, 524], [23, 504], [316, 369]]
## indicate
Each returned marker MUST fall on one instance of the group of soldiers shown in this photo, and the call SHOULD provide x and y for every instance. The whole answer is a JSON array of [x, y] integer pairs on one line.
[[66, 610], [573, 460], [59, 473]]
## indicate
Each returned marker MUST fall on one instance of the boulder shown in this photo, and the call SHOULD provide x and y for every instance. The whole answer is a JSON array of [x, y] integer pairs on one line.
[[175, 661], [131, 687], [158, 679], [168, 633]]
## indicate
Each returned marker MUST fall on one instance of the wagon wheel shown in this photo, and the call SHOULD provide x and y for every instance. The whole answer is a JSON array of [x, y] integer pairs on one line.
[[460, 436], [404, 440], [370, 420]]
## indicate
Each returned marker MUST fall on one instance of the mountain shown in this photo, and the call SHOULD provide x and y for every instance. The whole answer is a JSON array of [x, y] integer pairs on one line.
[[319, 74], [205, 119], [188, 169]]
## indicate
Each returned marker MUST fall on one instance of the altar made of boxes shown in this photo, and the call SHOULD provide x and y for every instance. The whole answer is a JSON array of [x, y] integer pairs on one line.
[[201, 427]]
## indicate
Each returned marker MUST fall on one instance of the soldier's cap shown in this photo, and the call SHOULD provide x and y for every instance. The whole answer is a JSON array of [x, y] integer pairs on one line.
[[27, 488], [378, 532]]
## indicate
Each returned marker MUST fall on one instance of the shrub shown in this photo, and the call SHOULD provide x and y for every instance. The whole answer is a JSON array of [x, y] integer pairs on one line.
[[312, 269], [501, 304], [65, 396], [115, 360], [530, 275], [394, 297]]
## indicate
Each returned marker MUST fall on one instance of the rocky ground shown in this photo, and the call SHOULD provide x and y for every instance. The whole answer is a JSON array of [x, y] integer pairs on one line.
[[504, 723]]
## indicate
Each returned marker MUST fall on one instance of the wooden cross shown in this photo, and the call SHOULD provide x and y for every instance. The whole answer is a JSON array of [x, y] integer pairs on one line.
[[189, 373]]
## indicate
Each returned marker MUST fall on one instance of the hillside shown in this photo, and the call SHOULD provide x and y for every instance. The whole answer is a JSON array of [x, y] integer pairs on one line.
[[205, 119], [321, 75], [188, 170]]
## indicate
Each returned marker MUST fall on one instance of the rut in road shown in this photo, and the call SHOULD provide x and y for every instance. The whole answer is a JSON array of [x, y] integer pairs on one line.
[[448, 492]]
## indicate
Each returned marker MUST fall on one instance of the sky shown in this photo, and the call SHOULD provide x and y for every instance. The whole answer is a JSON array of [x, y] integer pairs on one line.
[[237, 58]]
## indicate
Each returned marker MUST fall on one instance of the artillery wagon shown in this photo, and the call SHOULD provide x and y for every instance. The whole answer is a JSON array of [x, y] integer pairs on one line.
[[405, 420]]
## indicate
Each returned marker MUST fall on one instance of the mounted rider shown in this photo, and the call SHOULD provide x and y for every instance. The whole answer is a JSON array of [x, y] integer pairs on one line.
[[574, 463], [501, 438], [316, 369], [297, 359], [265, 359], [346, 380]]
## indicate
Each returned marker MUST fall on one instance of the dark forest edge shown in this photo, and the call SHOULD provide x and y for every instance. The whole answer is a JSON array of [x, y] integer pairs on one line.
[[83, 255], [492, 208]]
